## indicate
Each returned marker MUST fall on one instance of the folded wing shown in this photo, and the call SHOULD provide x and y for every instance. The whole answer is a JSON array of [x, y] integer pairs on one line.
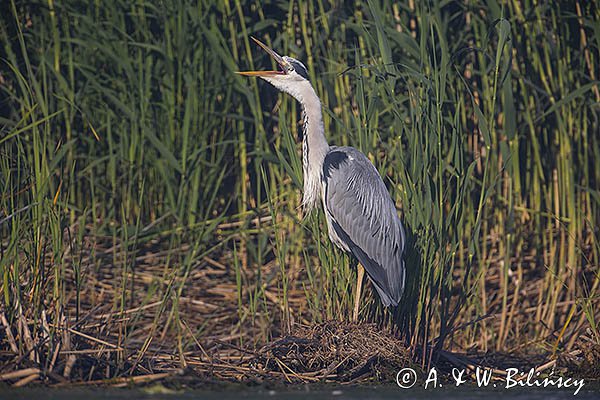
[[362, 219]]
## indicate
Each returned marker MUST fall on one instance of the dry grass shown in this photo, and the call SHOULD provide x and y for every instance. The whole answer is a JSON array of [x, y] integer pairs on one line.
[[202, 338], [341, 351]]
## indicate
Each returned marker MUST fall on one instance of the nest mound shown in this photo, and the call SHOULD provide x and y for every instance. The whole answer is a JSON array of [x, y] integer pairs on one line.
[[584, 362], [591, 360], [340, 351]]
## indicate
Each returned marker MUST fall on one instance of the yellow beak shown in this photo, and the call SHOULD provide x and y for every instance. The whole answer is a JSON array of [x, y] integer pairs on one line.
[[274, 55]]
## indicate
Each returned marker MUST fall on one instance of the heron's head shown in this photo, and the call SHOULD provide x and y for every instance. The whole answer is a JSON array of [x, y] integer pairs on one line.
[[292, 77]]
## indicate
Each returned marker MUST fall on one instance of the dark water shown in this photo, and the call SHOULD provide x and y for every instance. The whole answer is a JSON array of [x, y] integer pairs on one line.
[[589, 391]]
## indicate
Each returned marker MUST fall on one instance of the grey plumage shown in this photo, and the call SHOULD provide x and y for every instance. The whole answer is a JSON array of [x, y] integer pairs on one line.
[[361, 215], [362, 219]]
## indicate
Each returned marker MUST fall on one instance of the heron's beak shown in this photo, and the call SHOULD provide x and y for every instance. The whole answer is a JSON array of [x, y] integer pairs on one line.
[[282, 63]]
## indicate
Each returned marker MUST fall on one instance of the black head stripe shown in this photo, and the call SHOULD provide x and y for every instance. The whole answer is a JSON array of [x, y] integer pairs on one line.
[[299, 68]]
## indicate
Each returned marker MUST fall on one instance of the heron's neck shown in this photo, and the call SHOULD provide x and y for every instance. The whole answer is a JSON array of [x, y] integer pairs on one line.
[[314, 148]]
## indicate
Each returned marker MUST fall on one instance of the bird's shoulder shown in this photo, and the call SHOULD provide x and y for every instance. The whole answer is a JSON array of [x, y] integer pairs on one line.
[[349, 159]]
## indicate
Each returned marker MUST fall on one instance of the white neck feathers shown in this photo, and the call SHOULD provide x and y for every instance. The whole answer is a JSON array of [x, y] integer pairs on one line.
[[314, 150], [314, 144]]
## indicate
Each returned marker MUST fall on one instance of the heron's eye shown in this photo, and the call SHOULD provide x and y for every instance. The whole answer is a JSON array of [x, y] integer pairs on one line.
[[289, 68]]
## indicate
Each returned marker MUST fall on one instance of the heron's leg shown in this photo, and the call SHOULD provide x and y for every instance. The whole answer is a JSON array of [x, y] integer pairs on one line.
[[359, 280]]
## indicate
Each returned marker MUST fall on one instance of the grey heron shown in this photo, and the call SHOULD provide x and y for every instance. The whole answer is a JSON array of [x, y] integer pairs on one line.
[[361, 216]]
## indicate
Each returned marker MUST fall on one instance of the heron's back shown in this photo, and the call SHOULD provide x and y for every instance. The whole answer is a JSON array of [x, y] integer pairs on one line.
[[362, 219]]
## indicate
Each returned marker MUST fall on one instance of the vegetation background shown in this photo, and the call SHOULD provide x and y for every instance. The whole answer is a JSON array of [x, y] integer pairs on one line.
[[149, 197]]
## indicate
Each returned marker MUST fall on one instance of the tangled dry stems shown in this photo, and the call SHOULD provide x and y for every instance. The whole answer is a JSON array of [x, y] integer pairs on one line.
[[343, 351]]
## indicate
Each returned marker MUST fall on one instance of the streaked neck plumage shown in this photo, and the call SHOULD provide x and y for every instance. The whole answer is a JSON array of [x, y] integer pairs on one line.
[[314, 144], [314, 149]]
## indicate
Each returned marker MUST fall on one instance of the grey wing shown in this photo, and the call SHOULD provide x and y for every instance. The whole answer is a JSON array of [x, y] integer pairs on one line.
[[362, 219]]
